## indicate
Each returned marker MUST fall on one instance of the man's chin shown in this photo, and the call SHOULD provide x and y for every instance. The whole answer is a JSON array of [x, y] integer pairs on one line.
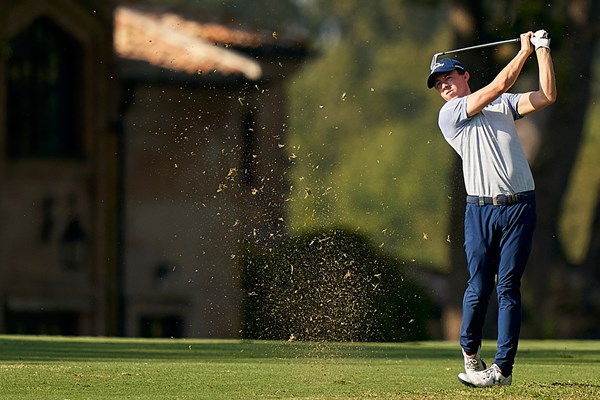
[[449, 96]]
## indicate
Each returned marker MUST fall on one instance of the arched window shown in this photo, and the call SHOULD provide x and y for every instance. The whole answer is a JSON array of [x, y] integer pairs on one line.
[[44, 84]]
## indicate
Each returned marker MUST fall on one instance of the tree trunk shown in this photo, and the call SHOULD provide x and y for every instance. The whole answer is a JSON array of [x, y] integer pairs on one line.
[[452, 312], [553, 293]]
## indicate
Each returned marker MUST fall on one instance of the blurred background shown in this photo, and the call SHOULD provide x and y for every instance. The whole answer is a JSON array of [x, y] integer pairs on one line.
[[274, 169]]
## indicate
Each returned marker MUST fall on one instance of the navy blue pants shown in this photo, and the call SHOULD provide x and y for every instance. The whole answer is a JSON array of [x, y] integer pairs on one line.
[[497, 245]]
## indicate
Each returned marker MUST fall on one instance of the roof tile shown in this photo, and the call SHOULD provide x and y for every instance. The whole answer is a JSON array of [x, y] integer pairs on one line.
[[171, 41]]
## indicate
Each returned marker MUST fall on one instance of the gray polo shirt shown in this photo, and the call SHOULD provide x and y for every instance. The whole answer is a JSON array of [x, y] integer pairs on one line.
[[492, 156]]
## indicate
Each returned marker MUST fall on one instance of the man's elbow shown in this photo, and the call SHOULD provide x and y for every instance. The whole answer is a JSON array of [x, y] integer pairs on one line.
[[551, 97], [548, 101], [544, 99]]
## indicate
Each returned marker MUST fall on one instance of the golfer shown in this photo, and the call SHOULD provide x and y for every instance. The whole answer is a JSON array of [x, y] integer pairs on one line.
[[500, 210]]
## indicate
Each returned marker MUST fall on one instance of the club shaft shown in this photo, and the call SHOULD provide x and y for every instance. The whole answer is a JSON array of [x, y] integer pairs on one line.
[[480, 46]]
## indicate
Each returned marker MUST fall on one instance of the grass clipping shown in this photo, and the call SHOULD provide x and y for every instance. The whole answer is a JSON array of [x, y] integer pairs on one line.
[[331, 286]]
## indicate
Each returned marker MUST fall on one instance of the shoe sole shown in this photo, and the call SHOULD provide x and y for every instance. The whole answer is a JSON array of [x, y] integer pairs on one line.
[[469, 384]]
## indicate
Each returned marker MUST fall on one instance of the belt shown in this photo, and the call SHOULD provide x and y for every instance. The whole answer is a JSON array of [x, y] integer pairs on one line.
[[502, 199]]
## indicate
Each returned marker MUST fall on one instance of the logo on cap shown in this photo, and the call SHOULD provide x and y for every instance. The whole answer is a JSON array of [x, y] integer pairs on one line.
[[436, 65]]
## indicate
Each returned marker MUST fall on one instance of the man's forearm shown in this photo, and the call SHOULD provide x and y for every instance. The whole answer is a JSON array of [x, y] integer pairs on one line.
[[509, 74], [547, 79]]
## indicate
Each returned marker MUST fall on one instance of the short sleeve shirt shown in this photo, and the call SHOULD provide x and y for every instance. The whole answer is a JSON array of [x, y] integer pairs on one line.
[[493, 160]]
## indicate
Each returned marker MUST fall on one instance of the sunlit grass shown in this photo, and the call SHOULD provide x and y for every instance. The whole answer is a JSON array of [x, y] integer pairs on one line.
[[100, 368]]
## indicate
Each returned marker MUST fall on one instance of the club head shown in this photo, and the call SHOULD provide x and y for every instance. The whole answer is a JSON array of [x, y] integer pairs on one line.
[[434, 60]]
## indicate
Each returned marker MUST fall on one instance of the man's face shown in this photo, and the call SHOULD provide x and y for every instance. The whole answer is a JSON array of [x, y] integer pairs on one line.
[[452, 84]]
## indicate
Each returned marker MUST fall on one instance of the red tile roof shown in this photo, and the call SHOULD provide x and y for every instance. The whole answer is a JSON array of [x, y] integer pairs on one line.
[[170, 41]]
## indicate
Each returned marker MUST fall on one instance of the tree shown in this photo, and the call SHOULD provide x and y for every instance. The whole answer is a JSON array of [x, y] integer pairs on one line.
[[366, 148], [363, 133]]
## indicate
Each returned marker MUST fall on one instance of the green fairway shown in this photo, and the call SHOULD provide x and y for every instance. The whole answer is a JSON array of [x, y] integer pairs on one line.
[[100, 368]]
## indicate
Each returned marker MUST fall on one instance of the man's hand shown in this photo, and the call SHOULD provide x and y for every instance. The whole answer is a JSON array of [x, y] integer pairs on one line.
[[546, 94], [541, 39], [527, 42]]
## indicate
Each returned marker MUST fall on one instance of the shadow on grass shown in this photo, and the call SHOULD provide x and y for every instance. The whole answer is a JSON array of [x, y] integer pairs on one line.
[[34, 348], [44, 349]]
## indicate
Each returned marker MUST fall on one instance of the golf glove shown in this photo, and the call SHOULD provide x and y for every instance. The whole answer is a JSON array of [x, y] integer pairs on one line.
[[540, 39]]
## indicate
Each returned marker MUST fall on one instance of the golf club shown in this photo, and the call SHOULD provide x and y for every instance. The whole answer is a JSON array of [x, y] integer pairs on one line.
[[479, 46]]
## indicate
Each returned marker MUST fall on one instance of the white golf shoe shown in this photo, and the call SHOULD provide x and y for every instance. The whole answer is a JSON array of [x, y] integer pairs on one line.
[[473, 364], [486, 378]]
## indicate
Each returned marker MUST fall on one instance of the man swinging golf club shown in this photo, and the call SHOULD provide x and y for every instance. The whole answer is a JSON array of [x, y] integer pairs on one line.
[[500, 211]]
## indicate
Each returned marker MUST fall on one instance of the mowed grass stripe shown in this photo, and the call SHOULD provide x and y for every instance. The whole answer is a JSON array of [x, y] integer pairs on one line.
[[103, 368]]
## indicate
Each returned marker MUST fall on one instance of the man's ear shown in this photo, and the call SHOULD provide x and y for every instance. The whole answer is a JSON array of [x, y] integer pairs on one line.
[[467, 76]]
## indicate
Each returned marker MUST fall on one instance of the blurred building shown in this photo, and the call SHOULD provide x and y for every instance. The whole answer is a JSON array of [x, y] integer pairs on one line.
[[140, 149]]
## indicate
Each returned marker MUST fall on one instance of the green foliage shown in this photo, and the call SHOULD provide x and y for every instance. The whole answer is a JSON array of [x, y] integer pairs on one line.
[[368, 153], [331, 285], [363, 137]]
